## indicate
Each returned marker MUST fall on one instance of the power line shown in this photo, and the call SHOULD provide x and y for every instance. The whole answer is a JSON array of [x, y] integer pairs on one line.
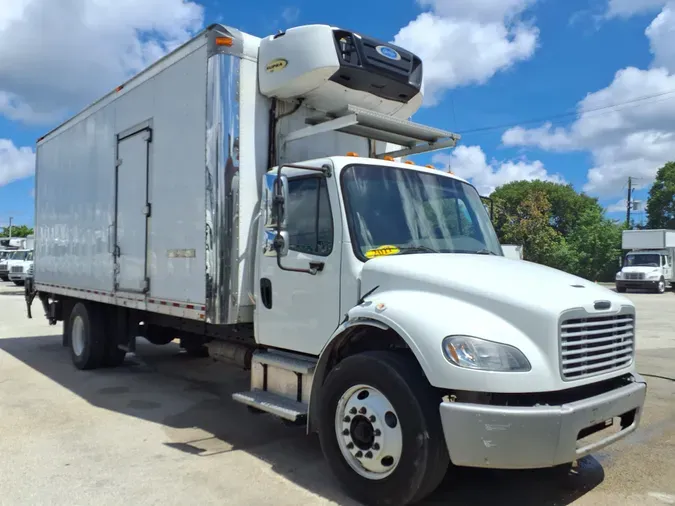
[[570, 114]]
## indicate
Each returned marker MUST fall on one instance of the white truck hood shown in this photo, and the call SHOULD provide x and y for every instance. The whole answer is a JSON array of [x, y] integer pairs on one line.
[[515, 302], [490, 280]]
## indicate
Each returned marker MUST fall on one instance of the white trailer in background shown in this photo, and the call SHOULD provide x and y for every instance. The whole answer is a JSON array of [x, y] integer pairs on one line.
[[514, 251], [249, 197], [649, 261]]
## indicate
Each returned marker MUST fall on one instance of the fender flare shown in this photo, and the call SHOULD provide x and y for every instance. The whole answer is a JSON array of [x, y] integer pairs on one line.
[[337, 338]]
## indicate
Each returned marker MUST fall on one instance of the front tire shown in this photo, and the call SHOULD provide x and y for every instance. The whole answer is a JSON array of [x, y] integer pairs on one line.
[[661, 286], [380, 429], [87, 337]]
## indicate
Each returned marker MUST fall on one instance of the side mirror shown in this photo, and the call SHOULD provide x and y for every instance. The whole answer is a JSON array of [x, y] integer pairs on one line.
[[276, 243], [276, 197]]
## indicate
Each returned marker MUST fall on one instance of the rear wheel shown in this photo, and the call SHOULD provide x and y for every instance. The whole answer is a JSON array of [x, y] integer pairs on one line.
[[87, 337], [380, 429]]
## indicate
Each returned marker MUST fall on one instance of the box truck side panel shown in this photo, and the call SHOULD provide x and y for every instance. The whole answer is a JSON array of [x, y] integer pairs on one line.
[[176, 231], [670, 238], [151, 206], [643, 239], [75, 186]]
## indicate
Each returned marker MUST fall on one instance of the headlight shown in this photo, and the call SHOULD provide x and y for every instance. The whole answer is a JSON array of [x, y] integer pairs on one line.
[[479, 354], [618, 275], [653, 275]]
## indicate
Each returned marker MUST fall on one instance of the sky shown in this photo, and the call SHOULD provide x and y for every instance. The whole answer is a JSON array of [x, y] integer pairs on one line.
[[574, 91]]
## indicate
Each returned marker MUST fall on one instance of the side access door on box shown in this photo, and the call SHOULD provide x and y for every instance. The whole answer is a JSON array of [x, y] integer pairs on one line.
[[132, 209]]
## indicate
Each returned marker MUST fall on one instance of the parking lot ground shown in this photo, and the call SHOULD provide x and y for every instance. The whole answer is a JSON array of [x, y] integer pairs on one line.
[[162, 429]]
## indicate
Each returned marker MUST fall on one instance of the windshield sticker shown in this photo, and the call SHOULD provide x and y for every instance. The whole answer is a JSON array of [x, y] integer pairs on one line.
[[382, 251]]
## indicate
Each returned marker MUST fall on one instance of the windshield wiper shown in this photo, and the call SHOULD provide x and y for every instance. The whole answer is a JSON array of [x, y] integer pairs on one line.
[[417, 249], [476, 252]]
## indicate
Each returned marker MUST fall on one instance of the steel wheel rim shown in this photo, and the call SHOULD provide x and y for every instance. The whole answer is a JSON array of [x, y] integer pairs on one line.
[[368, 432], [662, 286], [77, 335]]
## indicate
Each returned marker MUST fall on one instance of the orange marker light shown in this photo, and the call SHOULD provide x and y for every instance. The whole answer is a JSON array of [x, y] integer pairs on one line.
[[409, 162], [430, 167], [388, 158], [119, 88], [224, 41], [351, 153]]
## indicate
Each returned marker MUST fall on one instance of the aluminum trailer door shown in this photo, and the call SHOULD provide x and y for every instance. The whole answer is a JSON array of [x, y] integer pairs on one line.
[[132, 210]]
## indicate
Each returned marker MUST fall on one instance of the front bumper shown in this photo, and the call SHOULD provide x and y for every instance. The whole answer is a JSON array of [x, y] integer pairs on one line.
[[17, 276], [640, 284], [504, 437]]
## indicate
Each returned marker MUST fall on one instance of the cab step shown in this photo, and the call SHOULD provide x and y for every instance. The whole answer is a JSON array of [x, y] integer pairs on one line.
[[275, 404], [280, 384]]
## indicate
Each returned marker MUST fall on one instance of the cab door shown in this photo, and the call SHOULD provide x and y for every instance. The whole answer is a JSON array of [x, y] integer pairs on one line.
[[298, 294]]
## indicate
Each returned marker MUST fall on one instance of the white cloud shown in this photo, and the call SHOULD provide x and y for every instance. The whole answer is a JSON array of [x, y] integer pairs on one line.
[[619, 206], [628, 126], [290, 14], [58, 55], [15, 163], [470, 162], [464, 42], [626, 8]]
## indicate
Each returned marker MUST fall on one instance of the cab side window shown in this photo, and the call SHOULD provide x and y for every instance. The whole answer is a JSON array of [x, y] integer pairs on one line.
[[310, 222]]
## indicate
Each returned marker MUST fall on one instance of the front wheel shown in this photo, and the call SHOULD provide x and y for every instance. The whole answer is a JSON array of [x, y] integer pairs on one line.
[[661, 286], [380, 429]]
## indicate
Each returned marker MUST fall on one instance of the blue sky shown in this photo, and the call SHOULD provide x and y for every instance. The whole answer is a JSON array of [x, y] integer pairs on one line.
[[495, 71]]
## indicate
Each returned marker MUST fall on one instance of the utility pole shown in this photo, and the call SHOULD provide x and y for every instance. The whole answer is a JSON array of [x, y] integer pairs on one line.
[[628, 201], [10, 226]]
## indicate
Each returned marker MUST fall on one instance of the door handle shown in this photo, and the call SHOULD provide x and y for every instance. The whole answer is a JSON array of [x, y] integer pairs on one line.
[[316, 267]]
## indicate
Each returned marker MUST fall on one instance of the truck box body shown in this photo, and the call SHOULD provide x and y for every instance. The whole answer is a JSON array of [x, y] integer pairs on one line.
[[127, 175], [647, 239]]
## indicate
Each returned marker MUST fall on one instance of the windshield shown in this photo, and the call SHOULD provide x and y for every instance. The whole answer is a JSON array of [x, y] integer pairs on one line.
[[395, 211], [643, 260], [19, 255]]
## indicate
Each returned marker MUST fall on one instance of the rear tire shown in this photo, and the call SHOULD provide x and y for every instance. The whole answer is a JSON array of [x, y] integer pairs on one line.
[[87, 336], [621, 289], [403, 429]]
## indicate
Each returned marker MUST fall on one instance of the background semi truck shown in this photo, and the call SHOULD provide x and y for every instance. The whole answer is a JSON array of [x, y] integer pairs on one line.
[[252, 197], [649, 261]]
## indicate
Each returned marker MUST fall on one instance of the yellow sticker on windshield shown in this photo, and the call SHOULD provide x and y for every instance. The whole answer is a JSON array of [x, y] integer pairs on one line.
[[382, 251]]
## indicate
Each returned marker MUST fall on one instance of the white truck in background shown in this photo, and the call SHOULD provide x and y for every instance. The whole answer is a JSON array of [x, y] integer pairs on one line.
[[249, 196], [649, 261], [19, 266]]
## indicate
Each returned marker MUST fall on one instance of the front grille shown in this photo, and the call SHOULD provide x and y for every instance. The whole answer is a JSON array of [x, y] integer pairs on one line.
[[596, 345], [635, 275], [3, 268], [17, 269]]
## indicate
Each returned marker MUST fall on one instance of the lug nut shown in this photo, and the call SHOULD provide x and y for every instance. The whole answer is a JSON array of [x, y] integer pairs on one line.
[[363, 410], [345, 432], [353, 411], [372, 418], [359, 454], [378, 432], [350, 446], [369, 455], [376, 446], [347, 419]]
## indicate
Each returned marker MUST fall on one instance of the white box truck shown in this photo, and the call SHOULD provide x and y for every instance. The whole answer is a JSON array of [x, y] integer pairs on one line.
[[649, 261], [249, 196]]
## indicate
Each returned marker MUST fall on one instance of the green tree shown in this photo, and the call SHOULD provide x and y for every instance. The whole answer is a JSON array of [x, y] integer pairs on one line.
[[17, 231], [661, 200], [558, 227]]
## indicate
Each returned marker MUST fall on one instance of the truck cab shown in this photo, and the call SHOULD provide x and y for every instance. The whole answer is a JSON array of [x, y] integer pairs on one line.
[[19, 266]]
